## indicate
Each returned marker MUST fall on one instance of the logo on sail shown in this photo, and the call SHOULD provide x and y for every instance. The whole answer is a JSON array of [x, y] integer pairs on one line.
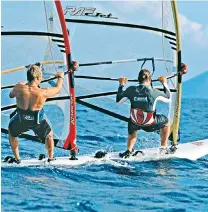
[[86, 11]]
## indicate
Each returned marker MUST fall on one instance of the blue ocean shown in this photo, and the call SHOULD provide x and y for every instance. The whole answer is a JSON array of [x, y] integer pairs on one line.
[[164, 185]]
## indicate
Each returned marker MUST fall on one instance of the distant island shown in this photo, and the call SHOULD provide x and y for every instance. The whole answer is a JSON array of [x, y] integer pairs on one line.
[[196, 87]]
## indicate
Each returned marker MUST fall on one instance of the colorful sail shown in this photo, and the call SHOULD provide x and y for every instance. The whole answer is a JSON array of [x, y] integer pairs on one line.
[[109, 39], [114, 39], [39, 39]]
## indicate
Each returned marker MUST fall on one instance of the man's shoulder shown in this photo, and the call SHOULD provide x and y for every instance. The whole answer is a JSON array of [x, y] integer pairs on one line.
[[132, 87], [21, 83], [130, 90], [43, 91]]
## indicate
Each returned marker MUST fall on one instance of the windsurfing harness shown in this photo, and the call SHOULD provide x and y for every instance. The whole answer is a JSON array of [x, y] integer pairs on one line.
[[143, 100]]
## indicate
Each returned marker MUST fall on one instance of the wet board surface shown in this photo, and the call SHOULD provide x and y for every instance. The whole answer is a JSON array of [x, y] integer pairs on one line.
[[192, 151]]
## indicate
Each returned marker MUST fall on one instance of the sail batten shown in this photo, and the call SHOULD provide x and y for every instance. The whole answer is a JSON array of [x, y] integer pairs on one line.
[[35, 40], [103, 37]]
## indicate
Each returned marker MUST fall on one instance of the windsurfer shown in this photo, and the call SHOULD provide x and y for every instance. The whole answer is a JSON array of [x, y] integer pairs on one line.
[[30, 99], [143, 115]]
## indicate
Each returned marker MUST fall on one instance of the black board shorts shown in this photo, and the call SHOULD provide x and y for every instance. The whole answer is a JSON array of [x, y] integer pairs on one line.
[[41, 130], [160, 122]]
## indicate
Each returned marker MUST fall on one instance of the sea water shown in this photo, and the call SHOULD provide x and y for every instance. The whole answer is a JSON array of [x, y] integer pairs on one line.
[[166, 185]]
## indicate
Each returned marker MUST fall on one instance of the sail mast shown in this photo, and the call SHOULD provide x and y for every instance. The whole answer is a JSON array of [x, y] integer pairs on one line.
[[177, 110], [70, 142]]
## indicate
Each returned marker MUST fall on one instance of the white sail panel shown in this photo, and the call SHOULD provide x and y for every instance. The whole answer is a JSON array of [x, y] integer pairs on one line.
[[32, 34], [108, 39], [119, 30]]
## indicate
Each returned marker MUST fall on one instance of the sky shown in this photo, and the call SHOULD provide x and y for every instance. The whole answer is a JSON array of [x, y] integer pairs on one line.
[[194, 33]]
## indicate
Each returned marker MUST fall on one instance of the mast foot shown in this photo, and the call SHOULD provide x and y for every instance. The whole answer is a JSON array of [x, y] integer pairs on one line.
[[73, 155]]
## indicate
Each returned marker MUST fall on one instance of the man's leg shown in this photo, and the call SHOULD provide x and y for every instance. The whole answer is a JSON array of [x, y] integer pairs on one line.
[[164, 134], [131, 140], [41, 130], [14, 145], [50, 145], [130, 144]]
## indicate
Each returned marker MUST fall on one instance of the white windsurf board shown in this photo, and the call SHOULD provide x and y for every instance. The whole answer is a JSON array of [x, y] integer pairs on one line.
[[192, 151]]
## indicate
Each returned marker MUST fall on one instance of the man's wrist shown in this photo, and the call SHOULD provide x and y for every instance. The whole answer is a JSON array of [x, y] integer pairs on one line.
[[59, 77]]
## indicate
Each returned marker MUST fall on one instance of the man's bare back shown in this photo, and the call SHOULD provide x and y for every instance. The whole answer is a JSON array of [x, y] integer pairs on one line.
[[29, 97]]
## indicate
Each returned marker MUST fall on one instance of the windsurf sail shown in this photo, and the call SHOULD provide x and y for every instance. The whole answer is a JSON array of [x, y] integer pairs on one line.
[[119, 39], [109, 39], [36, 33]]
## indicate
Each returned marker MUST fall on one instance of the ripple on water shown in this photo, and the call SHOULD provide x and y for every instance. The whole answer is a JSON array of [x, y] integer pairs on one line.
[[166, 185]]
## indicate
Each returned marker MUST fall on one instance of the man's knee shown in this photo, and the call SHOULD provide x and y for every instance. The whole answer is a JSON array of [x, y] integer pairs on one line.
[[49, 137], [165, 127], [133, 134], [11, 137], [49, 141]]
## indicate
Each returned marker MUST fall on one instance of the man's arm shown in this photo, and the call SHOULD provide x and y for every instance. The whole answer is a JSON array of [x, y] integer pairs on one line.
[[12, 93], [50, 92], [121, 96], [166, 95]]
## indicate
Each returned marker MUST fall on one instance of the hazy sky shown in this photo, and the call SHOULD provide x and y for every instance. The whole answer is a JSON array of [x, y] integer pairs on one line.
[[193, 17], [194, 33]]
